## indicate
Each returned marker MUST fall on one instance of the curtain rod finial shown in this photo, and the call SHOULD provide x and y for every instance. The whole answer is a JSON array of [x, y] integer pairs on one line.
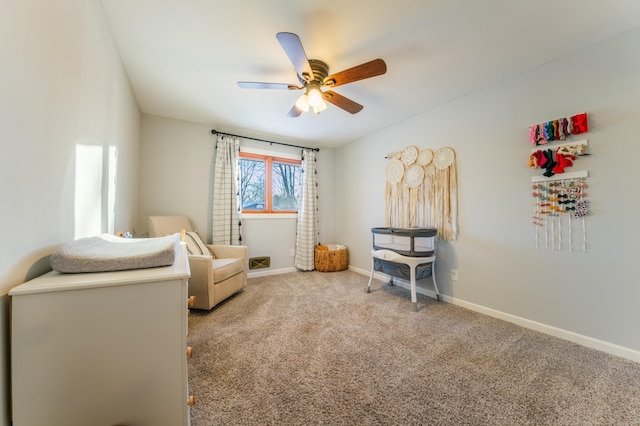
[[214, 131]]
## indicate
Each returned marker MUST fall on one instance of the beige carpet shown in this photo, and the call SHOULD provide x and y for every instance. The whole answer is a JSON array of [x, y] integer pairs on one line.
[[312, 348]]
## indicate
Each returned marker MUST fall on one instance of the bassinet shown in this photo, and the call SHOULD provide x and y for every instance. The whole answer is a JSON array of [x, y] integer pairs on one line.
[[406, 253]]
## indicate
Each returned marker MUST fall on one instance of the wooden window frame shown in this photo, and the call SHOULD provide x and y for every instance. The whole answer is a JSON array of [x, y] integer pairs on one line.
[[268, 184]]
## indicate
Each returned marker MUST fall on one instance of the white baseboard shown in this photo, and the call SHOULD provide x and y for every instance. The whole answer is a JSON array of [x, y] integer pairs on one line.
[[270, 272], [580, 339]]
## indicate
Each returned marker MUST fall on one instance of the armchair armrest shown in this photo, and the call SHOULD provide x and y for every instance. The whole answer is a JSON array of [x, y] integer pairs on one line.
[[201, 280], [223, 251], [201, 268]]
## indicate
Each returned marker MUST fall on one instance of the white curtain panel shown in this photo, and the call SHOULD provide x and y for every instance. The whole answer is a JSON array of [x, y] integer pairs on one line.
[[226, 214], [307, 226]]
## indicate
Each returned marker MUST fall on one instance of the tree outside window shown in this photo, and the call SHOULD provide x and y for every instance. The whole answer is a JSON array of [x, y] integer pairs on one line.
[[276, 191]]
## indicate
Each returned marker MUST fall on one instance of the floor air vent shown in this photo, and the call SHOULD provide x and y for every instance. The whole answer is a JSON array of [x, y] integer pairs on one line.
[[259, 262]]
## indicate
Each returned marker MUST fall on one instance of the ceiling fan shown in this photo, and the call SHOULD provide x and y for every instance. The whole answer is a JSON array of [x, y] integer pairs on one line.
[[313, 76]]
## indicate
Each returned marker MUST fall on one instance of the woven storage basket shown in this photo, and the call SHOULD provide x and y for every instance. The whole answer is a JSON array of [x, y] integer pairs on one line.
[[331, 258]]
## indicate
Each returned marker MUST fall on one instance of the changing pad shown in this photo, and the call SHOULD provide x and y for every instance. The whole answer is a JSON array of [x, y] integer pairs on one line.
[[105, 253]]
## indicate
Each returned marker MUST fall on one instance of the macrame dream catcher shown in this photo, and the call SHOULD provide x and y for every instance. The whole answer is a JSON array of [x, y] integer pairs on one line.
[[422, 190], [393, 175]]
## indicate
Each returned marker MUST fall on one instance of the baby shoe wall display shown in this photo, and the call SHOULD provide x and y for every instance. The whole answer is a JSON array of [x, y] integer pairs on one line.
[[421, 190], [555, 159]]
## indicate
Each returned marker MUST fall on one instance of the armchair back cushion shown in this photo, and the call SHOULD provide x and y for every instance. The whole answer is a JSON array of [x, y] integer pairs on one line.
[[160, 226]]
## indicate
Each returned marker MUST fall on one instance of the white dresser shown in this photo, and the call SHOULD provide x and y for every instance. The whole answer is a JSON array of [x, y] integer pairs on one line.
[[101, 349]]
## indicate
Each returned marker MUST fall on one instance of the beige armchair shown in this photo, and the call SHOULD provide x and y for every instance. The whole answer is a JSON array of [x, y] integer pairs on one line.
[[214, 276]]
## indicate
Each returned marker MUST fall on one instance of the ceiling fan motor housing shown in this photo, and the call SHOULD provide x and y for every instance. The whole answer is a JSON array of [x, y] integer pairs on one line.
[[320, 72]]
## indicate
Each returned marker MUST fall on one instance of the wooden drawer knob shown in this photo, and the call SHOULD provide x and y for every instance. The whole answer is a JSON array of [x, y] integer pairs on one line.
[[191, 301], [189, 351], [191, 401]]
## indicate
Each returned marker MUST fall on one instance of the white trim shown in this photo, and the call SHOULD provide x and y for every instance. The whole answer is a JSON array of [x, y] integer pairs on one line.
[[249, 216], [555, 146], [580, 339], [270, 272], [561, 176]]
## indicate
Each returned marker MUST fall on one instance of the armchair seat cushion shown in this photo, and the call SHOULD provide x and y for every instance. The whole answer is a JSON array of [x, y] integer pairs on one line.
[[225, 268]]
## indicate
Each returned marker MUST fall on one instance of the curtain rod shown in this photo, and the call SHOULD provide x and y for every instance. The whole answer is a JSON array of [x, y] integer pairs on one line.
[[215, 132]]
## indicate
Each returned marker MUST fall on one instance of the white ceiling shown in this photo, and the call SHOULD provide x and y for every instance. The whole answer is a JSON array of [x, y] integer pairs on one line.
[[184, 57]]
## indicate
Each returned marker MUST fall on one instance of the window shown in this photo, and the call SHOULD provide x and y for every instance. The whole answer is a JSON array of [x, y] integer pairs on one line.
[[269, 184]]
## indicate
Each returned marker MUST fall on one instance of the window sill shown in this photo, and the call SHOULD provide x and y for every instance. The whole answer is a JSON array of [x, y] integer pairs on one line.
[[246, 216]]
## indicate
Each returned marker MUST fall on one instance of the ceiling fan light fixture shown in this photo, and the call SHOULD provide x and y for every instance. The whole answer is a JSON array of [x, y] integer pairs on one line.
[[303, 103], [320, 107], [314, 96]]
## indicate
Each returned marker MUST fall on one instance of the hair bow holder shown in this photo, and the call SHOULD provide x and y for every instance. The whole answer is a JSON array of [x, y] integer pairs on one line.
[[560, 197], [559, 129]]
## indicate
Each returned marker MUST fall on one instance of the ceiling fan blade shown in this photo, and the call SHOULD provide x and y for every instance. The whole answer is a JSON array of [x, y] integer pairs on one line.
[[259, 85], [342, 102], [360, 72], [292, 46], [294, 111]]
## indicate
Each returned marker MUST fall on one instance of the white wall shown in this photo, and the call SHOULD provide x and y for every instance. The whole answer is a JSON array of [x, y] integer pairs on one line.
[[593, 294], [62, 85], [175, 170], [176, 174]]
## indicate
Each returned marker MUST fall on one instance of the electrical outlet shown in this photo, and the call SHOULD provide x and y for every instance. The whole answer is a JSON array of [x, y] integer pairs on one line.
[[292, 252], [454, 275]]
